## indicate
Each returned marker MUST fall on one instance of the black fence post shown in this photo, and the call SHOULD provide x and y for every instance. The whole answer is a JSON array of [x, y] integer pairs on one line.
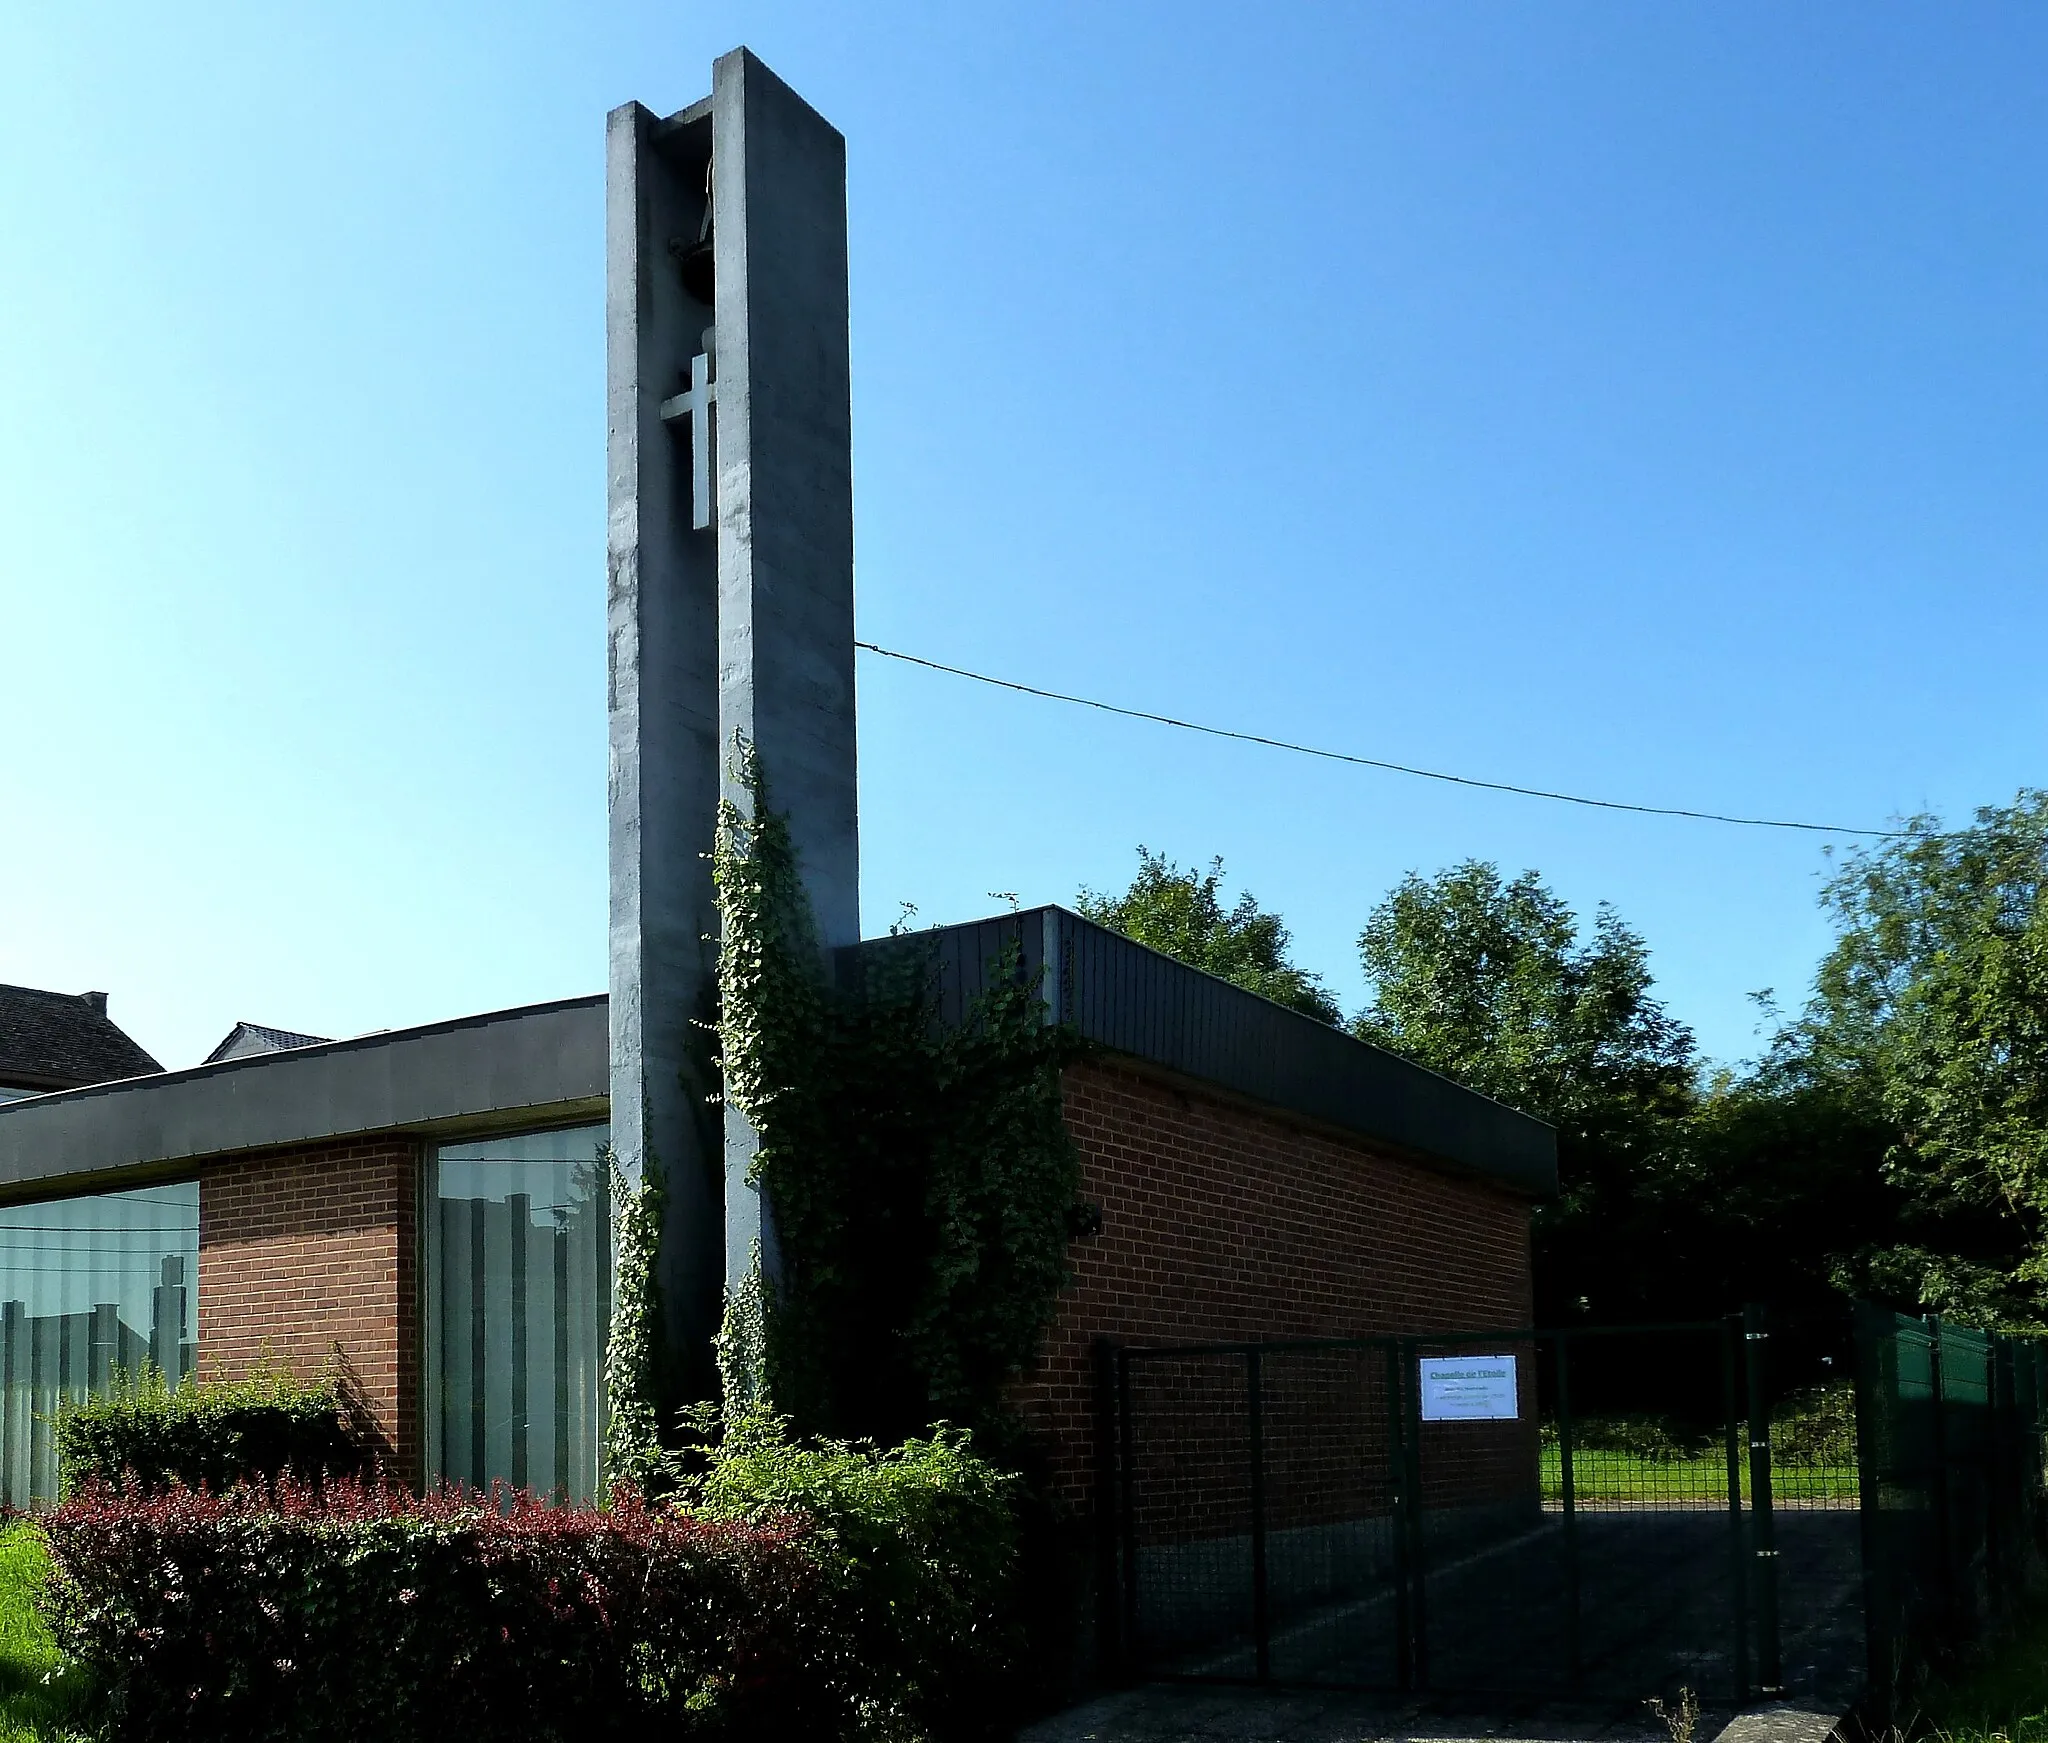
[[1109, 1601], [1997, 1516], [1568, 1491], [2012, 1442], [1738, 1570], [1262, 1630], [1944, 1548], [1418, 1546], [2025, 1463], [1127, 1512], [1876, 1433], [1763, 1529], [1399, 1505], [2027, 1455]]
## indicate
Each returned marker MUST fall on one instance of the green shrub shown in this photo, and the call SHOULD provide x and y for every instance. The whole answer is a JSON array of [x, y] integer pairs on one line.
[[210, 1436], [918, 1548], [1644, 1437], [1816, 1427]]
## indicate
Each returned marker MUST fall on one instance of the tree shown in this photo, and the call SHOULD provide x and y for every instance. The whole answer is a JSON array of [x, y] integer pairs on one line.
[[1935, 998], [1488, 981], [1182, 915], [1786, 1188]]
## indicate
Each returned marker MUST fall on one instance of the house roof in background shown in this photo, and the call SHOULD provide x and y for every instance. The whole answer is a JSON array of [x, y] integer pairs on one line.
[[246, 1040], [54, 1041]]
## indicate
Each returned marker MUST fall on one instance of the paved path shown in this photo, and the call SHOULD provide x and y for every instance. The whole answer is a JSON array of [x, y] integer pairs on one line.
[[1654, 1611], [1181, 1714]]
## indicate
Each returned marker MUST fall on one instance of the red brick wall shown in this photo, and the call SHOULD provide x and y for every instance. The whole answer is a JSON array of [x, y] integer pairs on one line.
[[1224, 1222], [304, 1251]]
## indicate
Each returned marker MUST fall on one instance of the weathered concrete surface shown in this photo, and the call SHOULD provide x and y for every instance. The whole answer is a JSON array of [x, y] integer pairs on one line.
[[662, 778], [740, 628], [784, 510], [1781, 1722], [1183, 1714]]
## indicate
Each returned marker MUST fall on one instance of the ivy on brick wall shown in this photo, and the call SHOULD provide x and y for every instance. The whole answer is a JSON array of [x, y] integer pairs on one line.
[[921, 1177]]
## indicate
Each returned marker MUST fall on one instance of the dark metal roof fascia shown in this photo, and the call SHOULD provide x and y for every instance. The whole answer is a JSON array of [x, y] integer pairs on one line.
[[544, 1061], [1133, 1000]]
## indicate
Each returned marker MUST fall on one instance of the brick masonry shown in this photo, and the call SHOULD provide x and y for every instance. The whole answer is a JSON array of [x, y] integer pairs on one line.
[[306, 1252], [1221, 1221], [1227, 1222]]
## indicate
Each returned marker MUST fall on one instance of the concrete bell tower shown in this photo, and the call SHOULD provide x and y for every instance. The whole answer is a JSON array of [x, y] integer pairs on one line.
[[730, 603]]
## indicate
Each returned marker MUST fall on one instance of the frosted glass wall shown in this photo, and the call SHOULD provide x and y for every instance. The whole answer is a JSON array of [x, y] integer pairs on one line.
[[91, 1289], [519, 1269]]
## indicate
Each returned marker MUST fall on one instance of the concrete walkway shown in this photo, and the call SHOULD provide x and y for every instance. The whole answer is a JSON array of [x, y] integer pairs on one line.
[[1185, 1714]]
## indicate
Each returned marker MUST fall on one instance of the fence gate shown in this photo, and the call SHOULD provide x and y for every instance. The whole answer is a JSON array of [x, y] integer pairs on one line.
[[1527, 1513]]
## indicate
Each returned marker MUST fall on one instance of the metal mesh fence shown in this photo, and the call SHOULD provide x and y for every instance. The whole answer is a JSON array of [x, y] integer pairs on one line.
[[1816, 1574], [1187, 1471], [1532, 1513], [1330, 1557], [1489, 1564], [1647, 1489]]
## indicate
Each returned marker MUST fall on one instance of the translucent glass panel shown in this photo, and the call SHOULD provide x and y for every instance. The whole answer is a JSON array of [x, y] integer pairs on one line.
[[519, 1263], [91, 1289]]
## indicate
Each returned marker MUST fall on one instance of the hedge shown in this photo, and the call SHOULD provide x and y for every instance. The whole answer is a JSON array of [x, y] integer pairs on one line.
[[820, 1591], [286, 1613], [210, 1436]]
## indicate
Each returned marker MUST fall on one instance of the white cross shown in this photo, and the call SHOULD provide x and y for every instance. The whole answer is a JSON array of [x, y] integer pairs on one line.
[[695, 403]]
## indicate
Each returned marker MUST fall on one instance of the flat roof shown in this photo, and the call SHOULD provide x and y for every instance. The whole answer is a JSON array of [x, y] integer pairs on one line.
[[543, 1064], [1132, 1000]]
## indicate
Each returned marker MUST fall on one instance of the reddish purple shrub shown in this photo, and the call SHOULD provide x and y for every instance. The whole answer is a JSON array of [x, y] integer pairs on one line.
[[365, 1612]]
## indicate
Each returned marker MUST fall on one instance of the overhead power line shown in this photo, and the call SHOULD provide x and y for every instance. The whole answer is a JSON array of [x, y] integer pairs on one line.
[[1339, 756]]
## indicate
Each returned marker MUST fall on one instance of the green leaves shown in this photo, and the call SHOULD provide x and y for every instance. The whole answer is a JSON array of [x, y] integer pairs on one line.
[[632, 1353], [1935, 996], [1488, 981], [214, 1434], [918, 1546]]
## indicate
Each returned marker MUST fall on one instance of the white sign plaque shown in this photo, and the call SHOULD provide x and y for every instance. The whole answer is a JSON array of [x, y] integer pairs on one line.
[[1468, 1389]]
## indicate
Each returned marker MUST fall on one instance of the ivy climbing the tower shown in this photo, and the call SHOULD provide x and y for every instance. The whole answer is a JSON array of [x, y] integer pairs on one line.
[[633, 1441], [919, 1172]]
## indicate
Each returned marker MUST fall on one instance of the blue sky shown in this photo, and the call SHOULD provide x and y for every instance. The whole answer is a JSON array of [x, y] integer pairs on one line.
[[1638, 400]]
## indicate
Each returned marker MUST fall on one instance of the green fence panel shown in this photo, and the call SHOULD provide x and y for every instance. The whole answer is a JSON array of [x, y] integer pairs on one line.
[[1950, 1434]]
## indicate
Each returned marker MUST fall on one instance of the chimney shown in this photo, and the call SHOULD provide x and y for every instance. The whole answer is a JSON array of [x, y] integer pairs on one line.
[[94, 1002]]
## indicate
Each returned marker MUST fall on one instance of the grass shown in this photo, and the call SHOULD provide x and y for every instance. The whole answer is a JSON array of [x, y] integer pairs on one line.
[[35, 1706], [2002, 1695], [1599, 1475]]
